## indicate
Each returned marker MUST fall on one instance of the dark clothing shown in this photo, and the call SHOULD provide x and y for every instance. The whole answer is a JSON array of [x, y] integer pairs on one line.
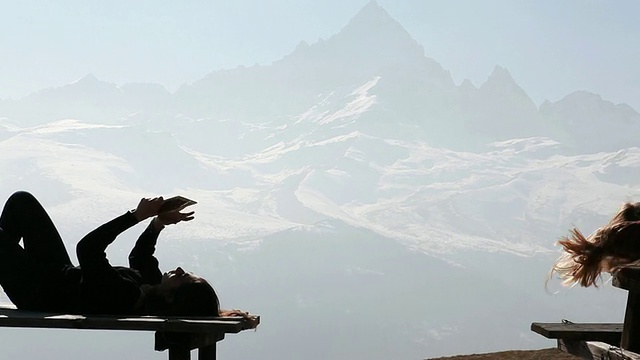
[[29, 274], [115, 290], [625, 237], [40, 275]]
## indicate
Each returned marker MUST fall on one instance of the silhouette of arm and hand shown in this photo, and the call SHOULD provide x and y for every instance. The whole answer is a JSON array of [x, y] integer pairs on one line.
[[108, 289]]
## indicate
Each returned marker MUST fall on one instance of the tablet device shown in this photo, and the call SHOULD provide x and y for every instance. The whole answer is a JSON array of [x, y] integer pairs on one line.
[[175, 203]]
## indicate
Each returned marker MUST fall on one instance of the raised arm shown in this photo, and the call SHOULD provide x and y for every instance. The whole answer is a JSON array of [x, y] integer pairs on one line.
[[91, 249], [141, 257]]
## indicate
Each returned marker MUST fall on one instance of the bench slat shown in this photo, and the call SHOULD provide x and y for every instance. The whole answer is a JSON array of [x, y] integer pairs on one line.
[[10, 317], [606, 332]]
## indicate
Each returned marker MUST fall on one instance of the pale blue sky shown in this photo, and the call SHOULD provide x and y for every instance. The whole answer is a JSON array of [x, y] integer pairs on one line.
[[550, 47]]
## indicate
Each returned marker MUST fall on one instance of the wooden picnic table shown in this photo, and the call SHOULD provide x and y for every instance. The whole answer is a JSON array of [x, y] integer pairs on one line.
[[629, 279], [615, 341], [177, 334]]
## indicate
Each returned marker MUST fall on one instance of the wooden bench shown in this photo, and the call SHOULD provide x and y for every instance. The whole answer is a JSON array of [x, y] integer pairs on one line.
[[178, 335], [598, 341], [587, 340], [607, 333]]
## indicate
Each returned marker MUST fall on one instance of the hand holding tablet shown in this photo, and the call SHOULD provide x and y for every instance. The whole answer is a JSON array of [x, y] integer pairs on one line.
[[175, 203]]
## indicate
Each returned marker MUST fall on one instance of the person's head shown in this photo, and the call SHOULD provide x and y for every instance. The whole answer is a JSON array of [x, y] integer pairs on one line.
[[173, 279], [628, 212], [607, 249], [182, 293]]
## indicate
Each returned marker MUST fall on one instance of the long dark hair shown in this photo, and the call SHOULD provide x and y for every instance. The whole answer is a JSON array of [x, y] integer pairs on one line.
[[190, 299], [609, 249]]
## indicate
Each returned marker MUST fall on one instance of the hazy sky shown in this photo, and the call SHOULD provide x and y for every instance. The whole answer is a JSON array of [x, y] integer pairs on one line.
[[550, 47]]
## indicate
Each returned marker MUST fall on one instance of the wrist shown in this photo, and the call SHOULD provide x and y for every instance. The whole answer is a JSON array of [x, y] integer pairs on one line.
[[157, 224], [135, 214]]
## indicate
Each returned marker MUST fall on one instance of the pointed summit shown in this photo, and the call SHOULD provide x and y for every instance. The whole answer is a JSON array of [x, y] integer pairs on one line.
[[467, 86], [87, 79], [372, 13], [501, 109], [500, 81], [500, 73], [372, 37], [371, 44], [374, 27]]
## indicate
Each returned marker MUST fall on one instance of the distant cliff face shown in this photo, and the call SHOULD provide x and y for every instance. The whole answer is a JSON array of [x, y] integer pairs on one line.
[[414, 95]]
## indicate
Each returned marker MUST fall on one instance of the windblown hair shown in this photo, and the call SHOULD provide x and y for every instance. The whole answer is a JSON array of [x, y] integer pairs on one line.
[[192, 299], [610, 248]]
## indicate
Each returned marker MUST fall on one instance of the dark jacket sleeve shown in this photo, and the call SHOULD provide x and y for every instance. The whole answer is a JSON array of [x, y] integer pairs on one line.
[[141, 257], [103, 289], [91, 248]]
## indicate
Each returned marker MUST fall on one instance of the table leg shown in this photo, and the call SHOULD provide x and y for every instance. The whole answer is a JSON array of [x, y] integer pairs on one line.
[[179, 353], [207, 352], [631, 329]]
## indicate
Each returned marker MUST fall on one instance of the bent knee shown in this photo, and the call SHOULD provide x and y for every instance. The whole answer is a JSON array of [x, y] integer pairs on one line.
[[21, 195]]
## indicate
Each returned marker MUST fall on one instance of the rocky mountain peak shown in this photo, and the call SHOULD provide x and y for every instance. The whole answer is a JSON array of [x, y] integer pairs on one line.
[[87, 79], [499, 76], [501, 82], [372, 38], [371, 14]]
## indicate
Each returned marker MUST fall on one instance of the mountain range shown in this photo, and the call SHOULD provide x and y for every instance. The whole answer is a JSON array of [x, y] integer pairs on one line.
[[351, 177]]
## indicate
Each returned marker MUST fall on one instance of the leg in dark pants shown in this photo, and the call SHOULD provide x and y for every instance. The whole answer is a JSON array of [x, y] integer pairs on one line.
[[26, 274]]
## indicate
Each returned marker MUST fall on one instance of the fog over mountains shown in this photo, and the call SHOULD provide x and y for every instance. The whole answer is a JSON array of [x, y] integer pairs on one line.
[[350, 193]]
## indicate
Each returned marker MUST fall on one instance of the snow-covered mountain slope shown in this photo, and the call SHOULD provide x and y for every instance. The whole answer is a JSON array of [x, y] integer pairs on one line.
[[515, 196]]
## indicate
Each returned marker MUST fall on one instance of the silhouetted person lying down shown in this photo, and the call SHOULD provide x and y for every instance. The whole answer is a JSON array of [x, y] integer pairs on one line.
[[40, 275], [610, 248]]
